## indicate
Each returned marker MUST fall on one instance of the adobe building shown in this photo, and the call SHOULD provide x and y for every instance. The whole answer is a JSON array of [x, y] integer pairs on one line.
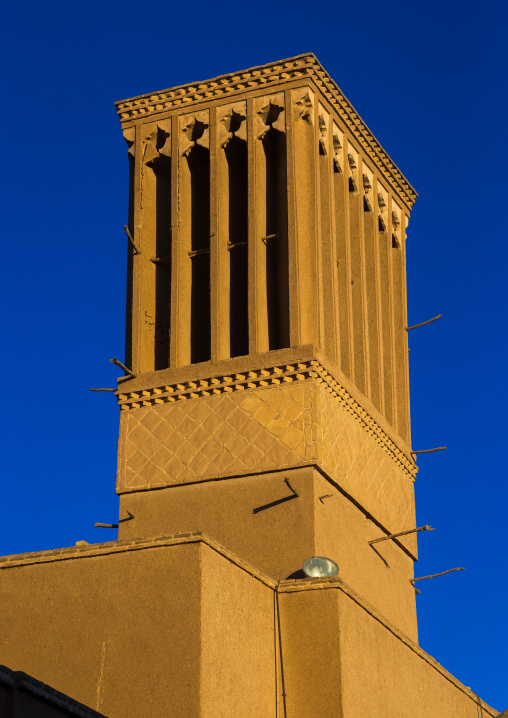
[[264, 419]]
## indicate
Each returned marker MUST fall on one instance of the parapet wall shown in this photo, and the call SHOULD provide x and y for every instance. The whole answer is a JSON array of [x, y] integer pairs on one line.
[[190, 630]]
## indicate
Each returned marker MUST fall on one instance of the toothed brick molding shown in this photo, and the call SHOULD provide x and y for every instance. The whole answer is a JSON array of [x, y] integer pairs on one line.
[[271, 75], [261, 378]]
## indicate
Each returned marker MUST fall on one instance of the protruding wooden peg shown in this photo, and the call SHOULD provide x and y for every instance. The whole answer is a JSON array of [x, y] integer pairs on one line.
[[434, 575], [401, 533], [415, 326], [129, 235], [122, 366]]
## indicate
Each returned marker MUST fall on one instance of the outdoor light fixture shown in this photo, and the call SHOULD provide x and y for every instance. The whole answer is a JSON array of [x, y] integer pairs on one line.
[[320, 566]]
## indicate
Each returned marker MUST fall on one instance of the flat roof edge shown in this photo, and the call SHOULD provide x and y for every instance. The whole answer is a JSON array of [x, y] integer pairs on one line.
[[281, 587], [270, 74], [127, 545]]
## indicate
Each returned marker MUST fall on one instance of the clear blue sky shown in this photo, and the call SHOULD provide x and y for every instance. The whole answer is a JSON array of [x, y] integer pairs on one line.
[[430, 81]]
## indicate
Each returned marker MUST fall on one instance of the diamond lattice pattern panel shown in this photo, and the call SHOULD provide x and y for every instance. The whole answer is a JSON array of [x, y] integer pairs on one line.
[[225, 435], [257, 430], [357, 462]]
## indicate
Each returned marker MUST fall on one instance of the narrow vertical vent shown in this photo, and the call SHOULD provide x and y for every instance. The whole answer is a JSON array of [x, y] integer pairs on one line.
[[128, 306], [236, 157], [199, 166], [163, 266], [276, 239]]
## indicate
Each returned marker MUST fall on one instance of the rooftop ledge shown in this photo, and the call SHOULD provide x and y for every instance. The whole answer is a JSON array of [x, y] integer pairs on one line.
[[306, 66], [282, 587]]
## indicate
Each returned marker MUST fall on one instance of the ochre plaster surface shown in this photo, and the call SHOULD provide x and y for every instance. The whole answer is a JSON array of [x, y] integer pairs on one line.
[[372, 670], [198, 629], [259, 430], [380, 573], [232, 511], [141, 629], [238, 650], [132, 110], [275, 530], [98, 629]]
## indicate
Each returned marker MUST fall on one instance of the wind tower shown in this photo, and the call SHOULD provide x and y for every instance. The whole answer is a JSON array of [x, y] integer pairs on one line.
[[264, 420], [266, 329]]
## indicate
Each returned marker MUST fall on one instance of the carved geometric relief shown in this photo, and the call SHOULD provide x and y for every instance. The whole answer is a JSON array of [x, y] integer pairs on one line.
[[338, 146], [367, 179], [156, 142], [382, 204], [194, 130], [227, 434], [303, 100], [356, 463], [269, 112], [130, 136], [396, 224], [324, 126], [270, 77], [231, 122], [352, 159]]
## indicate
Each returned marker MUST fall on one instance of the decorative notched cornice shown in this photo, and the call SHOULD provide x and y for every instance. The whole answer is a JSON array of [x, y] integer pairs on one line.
[[260, 378], [270, 75]]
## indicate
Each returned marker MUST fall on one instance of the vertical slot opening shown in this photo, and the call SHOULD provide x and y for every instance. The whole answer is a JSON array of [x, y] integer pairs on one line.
[[163, 266], [130, 262], [199, 167], [276, 239], [386, 321], [399, 340], [372, 286], [343, 271], [328, 285], [236, 157]]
